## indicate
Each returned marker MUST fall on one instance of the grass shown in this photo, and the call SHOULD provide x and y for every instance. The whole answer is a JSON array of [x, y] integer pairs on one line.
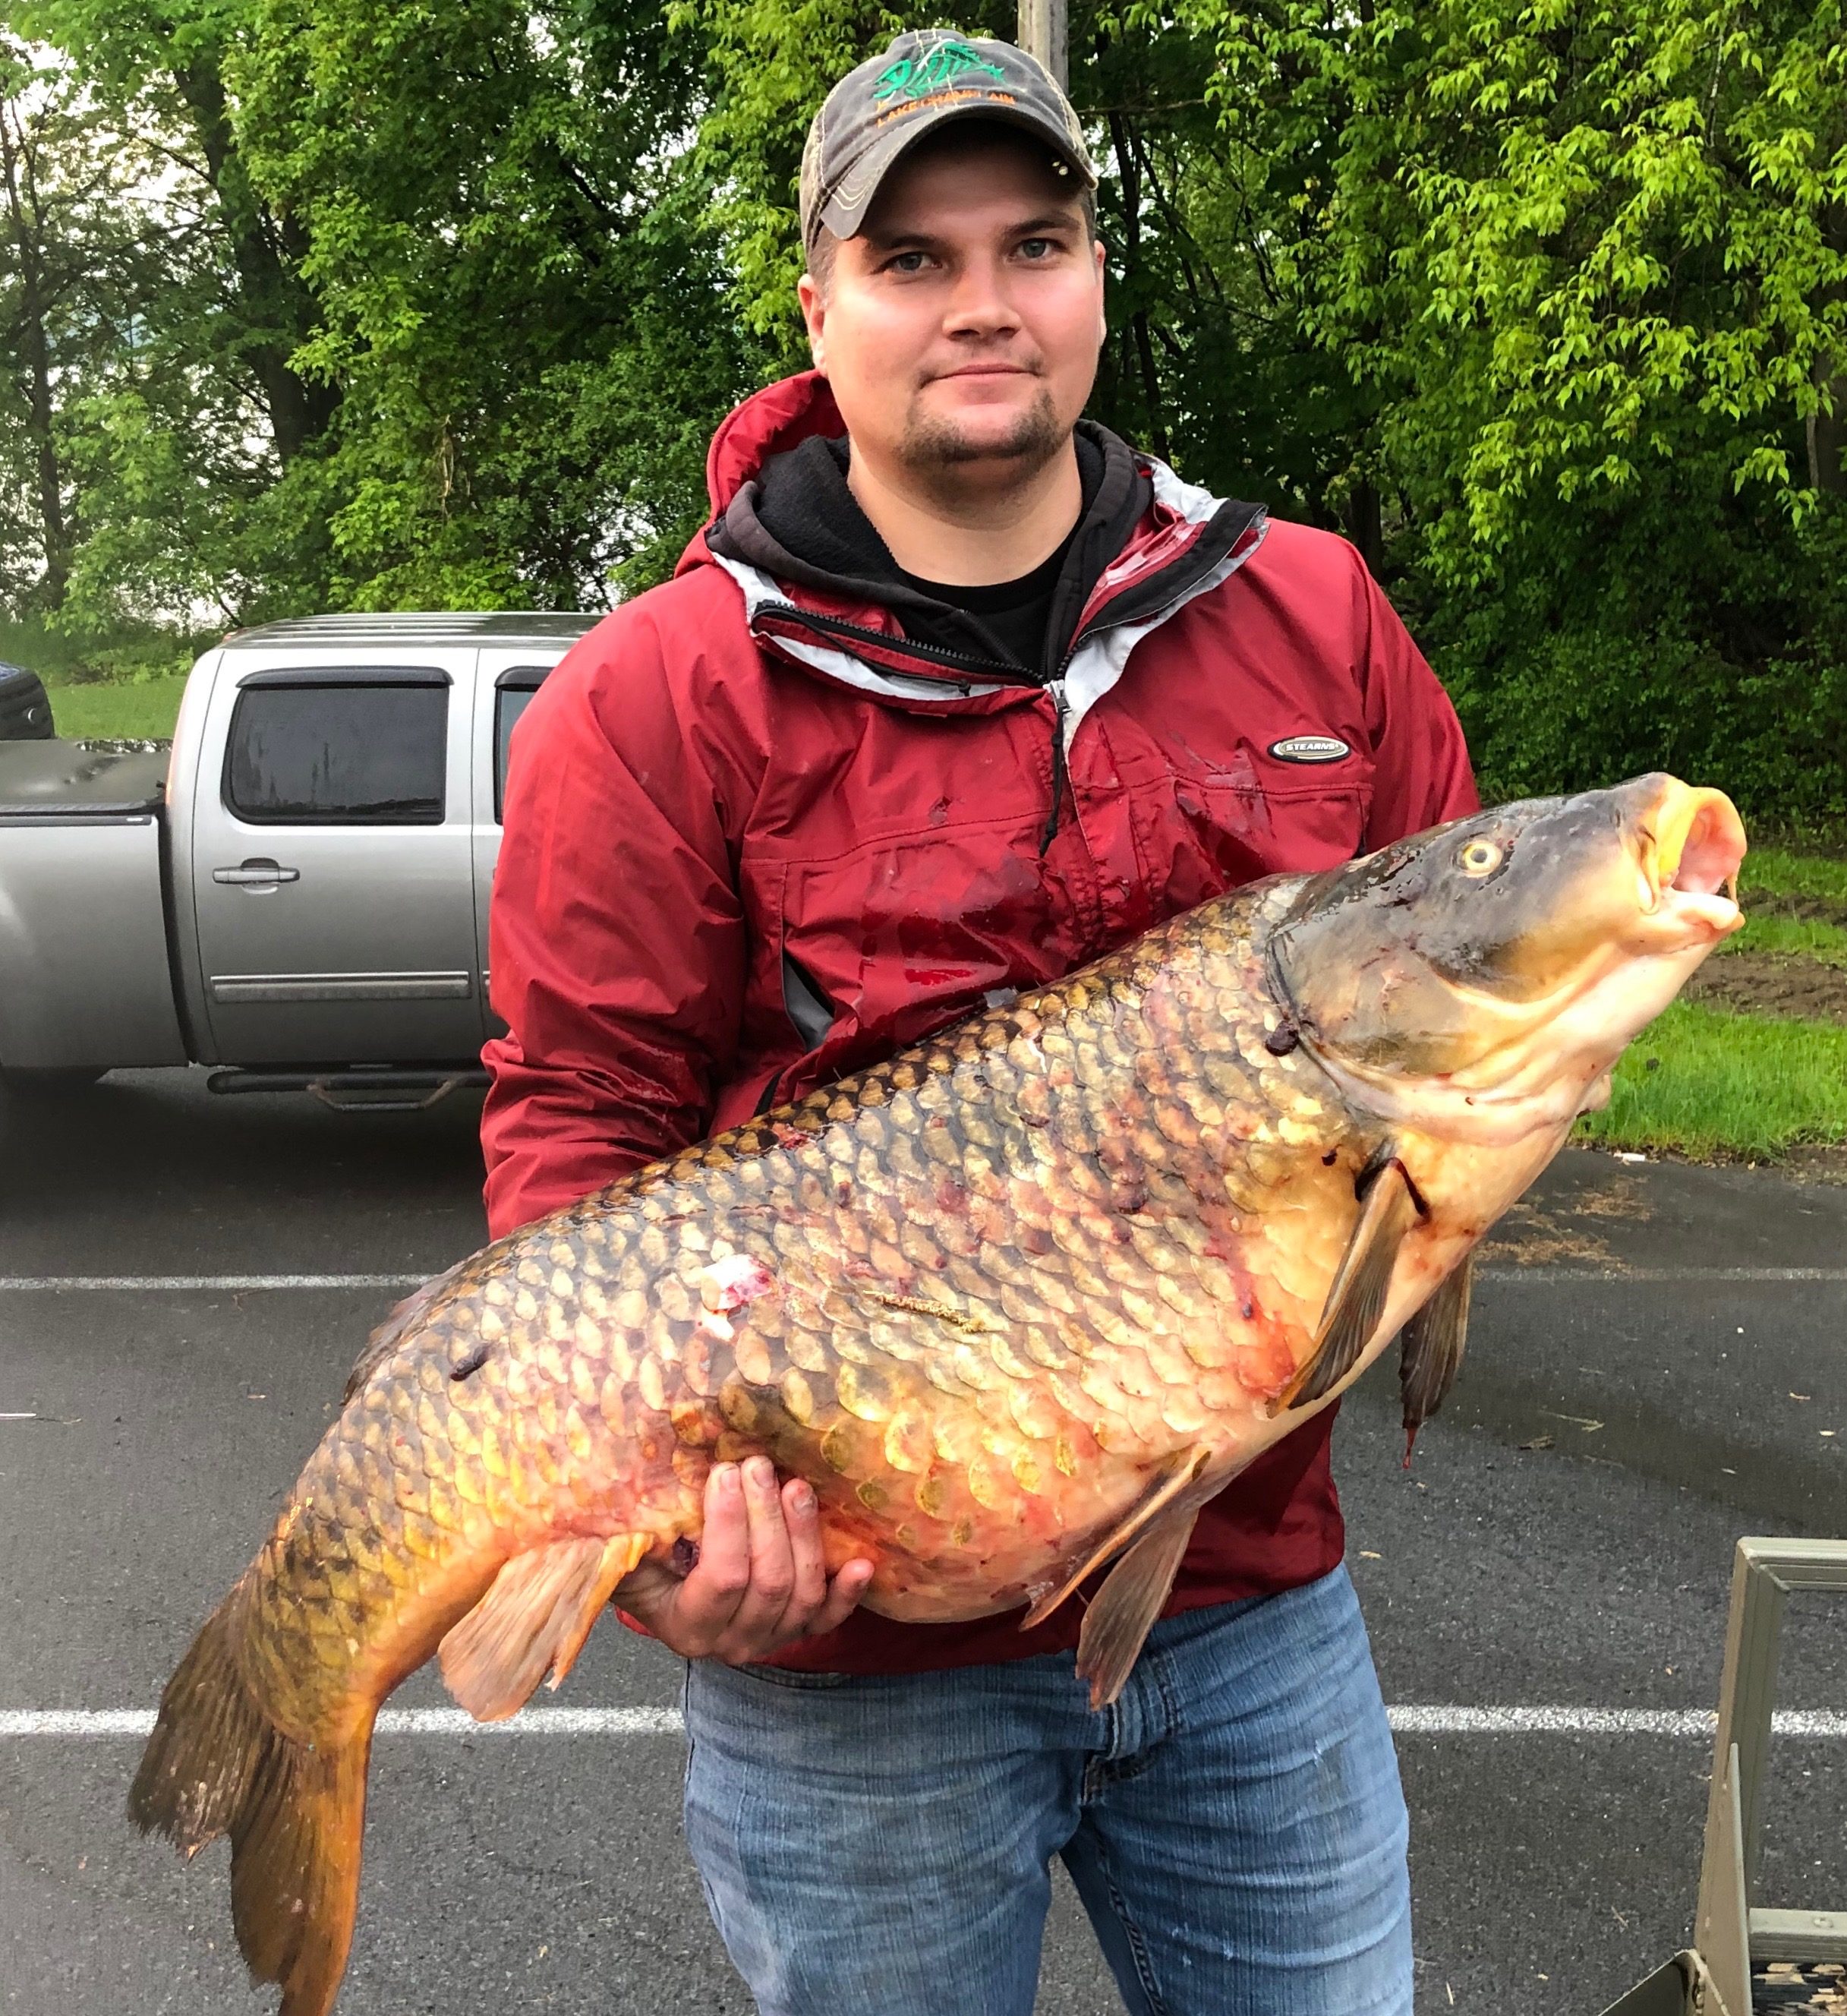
[[1787, 938], [131, 707], [1711, 1083], [1787, 873], [127, 683], [1707, 1083]]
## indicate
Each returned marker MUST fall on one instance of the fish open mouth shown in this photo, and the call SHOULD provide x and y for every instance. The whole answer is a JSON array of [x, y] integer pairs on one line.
[[1691, 846]]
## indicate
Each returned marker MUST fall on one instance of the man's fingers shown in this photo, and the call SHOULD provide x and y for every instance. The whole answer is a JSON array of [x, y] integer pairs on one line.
[[759, 1616], [843, 1599], [712, 1593], [810, 1588]]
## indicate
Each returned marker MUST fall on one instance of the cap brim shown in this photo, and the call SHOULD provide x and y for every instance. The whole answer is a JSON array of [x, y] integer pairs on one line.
[[844, 211]]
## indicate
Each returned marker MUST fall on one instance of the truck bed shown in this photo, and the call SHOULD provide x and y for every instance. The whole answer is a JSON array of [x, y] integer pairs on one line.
[[76, 780]]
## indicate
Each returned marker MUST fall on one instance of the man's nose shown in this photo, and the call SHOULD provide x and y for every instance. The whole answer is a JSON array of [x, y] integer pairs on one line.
[[979, 303]]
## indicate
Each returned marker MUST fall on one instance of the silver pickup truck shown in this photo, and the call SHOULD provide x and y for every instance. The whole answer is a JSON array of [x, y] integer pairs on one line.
[[297, 892]]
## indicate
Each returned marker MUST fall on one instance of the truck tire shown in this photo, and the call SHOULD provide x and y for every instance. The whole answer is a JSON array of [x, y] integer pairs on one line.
[[25, 712], [46, 1084]]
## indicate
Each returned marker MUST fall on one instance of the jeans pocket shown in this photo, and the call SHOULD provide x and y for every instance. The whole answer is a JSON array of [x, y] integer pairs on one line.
[[785, 1676]]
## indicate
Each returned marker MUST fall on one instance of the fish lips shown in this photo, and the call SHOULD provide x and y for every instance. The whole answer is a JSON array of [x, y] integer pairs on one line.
[[1481, 977]]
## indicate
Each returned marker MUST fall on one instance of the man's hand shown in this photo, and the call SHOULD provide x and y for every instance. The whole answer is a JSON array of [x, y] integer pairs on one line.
[[760, 1581]]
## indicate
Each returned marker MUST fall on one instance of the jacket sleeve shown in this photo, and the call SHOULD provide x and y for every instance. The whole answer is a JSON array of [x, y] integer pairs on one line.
[[1421, 770], [616, 940]]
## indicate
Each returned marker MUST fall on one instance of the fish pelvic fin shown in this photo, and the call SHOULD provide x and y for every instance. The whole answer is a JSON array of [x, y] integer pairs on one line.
[[295, 1812], [1116, 1624], [1357, 1298], [1181, 1473], [533, 1621], [1431, 1353]]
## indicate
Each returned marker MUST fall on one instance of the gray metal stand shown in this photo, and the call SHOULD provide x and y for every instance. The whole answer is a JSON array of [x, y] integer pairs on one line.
[[1732, 1934]]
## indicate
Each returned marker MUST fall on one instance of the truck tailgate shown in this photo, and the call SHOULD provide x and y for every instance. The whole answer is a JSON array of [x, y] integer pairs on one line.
[[84, 976]]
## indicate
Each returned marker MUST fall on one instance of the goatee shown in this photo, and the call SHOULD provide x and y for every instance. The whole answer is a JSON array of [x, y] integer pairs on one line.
[[941, 451]]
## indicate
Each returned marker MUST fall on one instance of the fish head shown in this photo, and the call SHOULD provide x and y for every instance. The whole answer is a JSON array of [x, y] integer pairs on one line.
[[1479, 980]]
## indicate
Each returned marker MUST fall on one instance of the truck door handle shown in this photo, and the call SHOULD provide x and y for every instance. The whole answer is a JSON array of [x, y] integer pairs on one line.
[[255, 874]]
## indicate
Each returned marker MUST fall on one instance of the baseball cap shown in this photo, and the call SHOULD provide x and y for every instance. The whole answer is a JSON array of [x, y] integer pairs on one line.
[[927, 78]]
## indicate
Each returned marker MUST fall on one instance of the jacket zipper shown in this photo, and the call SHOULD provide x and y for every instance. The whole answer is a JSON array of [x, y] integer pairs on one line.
[[1060, 710], [1061, 706], [839, 626]]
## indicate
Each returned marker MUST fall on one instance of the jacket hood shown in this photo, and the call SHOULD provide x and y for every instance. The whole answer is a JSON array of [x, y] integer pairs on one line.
[[1147, 545], [770, 422]]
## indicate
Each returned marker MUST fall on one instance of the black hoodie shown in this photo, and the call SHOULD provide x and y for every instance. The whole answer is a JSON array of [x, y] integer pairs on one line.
[[800, 523]]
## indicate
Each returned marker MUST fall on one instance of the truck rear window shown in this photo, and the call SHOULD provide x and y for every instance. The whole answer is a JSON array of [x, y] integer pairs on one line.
[[340, 753], [514, 689]]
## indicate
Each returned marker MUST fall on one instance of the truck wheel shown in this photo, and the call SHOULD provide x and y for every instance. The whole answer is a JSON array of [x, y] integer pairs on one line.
[[43, 1085]]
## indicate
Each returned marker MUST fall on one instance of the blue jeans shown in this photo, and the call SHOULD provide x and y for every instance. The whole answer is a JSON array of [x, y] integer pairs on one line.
[[1233, 1824]]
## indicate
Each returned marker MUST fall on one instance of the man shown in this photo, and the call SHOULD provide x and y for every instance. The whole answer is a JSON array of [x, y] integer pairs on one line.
[[956, 693]]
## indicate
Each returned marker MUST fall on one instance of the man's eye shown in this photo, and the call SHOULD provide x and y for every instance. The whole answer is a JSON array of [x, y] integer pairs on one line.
[[905, 262], [1036, 248]]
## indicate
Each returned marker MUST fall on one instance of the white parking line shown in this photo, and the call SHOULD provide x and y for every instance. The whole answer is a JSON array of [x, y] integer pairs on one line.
[[155, 1284], [1551, 1276], [1538, 1721], [44, 1284], [81, 1722], [1415, 1719]]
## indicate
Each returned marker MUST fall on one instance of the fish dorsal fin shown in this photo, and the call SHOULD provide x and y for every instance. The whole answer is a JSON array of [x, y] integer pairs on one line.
[[1357, 1298], [1176, 1476], [532, 1621], [1117, 1624], [1430, 1354], [390, 1332]]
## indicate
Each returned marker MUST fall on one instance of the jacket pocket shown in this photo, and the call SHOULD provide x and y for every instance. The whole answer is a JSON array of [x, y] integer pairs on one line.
[[1197, 839], [898, 937]]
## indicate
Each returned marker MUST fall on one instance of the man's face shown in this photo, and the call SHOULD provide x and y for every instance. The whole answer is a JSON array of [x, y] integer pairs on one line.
[[960, 327]]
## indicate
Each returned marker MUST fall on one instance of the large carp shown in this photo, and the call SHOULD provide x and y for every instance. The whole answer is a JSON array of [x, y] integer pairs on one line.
[[1016, 1304]]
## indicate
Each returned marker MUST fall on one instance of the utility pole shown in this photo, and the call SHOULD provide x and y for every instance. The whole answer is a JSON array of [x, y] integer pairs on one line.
[[1045, 32]]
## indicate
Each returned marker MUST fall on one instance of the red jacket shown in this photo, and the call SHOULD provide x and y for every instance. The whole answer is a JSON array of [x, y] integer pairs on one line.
[[754, 840]]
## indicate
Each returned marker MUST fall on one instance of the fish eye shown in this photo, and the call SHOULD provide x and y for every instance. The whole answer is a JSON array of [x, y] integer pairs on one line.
[[1480, 857]]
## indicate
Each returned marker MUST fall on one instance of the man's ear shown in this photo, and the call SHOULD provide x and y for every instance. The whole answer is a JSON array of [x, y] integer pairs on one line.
[[1102, 311], [814, 311]]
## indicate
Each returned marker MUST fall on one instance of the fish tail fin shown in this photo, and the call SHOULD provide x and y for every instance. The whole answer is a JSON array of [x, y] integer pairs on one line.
[[295, 1812]]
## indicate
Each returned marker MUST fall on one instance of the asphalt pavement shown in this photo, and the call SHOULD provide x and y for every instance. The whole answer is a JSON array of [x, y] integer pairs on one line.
[[1657, 1365]]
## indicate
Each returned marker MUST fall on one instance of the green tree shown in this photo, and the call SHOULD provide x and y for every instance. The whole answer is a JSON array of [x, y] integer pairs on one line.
[[519, 301], [178, 435], [1545, 306], [68, 250], [1585, 267]]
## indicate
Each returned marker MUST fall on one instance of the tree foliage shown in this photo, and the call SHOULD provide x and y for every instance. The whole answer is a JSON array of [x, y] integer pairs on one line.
[[1543, 303]]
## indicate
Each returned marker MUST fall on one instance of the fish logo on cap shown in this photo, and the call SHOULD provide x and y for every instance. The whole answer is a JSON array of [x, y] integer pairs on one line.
[[907, 79]]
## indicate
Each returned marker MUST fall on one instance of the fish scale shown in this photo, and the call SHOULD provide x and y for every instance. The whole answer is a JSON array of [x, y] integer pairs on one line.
[[1015, 1303]]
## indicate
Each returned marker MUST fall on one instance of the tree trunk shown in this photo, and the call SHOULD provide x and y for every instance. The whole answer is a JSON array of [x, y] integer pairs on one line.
[[267, 254], [35, 350], [1127, 169], [1827, 432], [1364, 526]]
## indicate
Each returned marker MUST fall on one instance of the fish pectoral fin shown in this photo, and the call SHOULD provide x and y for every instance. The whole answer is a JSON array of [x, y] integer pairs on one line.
[[533, 1620], [1357, 1297], [1181, 1472], [1117, 1624], [1430, 1354]]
